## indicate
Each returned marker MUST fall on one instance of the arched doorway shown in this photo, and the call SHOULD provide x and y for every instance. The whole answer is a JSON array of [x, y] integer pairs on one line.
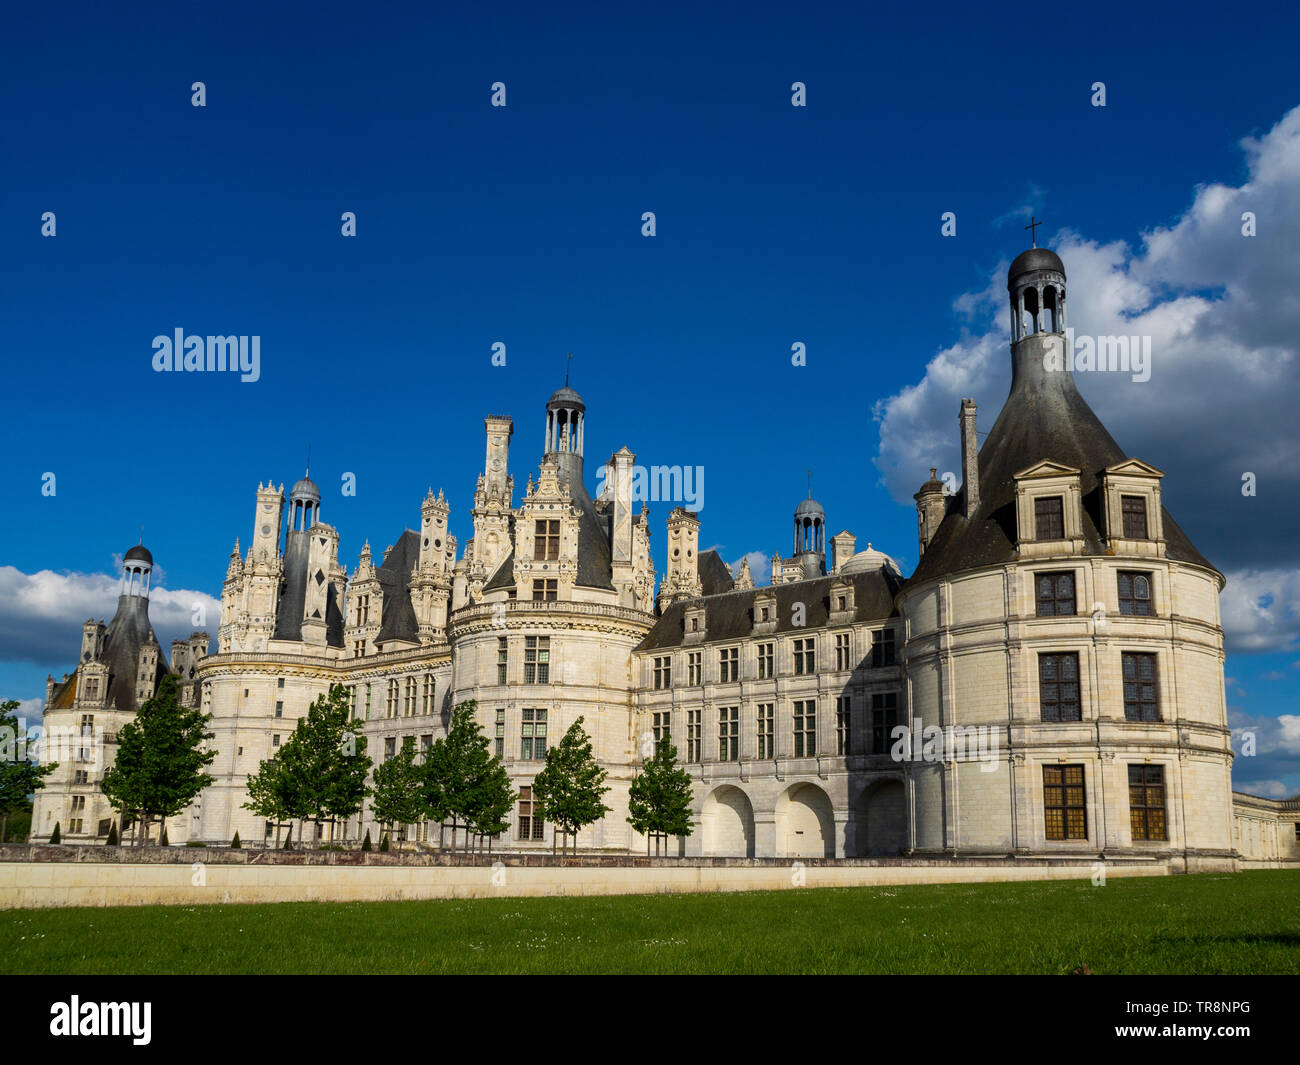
[[805, 825], [727, 824], [881, 821]]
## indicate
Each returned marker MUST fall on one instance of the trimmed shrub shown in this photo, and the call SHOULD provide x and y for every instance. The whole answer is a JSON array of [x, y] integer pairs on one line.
[[365, 843], [112, 835], [55, 837], [234, 842]]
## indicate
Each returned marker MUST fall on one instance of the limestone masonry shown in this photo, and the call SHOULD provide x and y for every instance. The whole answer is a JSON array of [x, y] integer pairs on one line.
[[1048, 682]]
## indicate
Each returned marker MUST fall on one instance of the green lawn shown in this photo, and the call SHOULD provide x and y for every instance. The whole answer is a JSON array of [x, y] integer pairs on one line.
[[1247, 923]]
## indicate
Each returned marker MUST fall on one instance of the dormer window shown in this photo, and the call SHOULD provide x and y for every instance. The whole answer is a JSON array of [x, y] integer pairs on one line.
[[1049, 510], [1049, 518], [695, 624], [1131, 496], [1134, 510]]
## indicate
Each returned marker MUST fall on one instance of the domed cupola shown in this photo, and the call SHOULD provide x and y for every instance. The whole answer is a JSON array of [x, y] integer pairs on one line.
[[137, 571], [810, 536], [304, 504]]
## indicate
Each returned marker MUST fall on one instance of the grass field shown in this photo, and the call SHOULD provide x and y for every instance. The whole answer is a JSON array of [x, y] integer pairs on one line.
[[1247, 923]]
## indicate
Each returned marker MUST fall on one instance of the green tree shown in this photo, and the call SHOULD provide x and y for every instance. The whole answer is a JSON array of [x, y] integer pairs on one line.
[[160, 765], [112, 835], [659, 799], [365, 843], [463, 781], [396, 796], [319, 773], [234, 842], [19, 776], [54, 836], [275, 791], [569, 789]]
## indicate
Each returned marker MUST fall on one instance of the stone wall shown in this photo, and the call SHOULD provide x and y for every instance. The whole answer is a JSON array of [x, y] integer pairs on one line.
[[104, 876]]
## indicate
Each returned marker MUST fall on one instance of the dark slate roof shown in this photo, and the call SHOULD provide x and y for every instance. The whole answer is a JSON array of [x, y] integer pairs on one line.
[[293, 592], [125, 635], [1032, 259], [503, 576], [138, 552], [730, 616], [394, 576], [1044, 417], [715, 575]]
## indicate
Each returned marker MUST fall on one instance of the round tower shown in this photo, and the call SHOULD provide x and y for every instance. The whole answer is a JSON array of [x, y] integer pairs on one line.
[[565, 417]]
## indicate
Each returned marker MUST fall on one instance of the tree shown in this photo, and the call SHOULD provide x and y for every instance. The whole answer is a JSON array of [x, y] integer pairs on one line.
[[396, 796], [19, 777], [463, 781], [162, 836], [275, 791], [160, 764], [365, 843], [235, 844], [383, 843], [54, 836], [319, 772], [112, 835], [659, 799], [569, 789]]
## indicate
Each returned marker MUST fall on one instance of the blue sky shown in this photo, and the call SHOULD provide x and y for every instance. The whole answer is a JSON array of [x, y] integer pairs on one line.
[[522, 225]]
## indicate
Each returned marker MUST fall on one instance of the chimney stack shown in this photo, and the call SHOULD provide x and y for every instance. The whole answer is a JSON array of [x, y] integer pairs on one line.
[[970, 456]]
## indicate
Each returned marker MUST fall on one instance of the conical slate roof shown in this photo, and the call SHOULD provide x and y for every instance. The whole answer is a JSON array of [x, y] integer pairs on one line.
[[1044, 417]]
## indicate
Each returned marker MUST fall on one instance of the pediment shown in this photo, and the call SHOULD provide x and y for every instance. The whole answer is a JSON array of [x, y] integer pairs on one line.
[[1047, 468], [1134, 468]]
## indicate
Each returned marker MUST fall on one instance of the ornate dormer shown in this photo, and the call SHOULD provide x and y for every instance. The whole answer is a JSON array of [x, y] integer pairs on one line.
[[1049, 510], [1132, 514]]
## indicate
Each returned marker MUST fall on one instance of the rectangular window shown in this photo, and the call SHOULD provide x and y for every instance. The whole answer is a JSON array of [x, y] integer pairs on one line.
[[882, 648], [426, 704], [503, 659], [843, 725], [766, 661], [279, 709], [500, 737], [410, 696], [805, 656], [884, 719], [693, 745], [729, 734], [92, 688], [279, 683], [352, 700], [842, 651], [390, 708], [537, 659], [1134, 511], [367, 702], [662, 721], [766, 730], [1058, 687], [1055, 595], [546, 541], [1146, 801], [1049, 518], [805, 728], [544, 591], [530, 827], [1064, 806], [87, 723], [663, 672], [390, 747], [1140, 700], [728, 664], [533, 745], [695, 667], [1135, 594], [275, 741]]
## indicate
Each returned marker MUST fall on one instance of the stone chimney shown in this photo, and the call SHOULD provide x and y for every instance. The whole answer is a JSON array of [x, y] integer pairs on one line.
[[970, 456]]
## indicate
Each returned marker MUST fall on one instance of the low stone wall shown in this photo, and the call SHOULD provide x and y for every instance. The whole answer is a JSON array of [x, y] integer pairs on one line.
[[100, 876]]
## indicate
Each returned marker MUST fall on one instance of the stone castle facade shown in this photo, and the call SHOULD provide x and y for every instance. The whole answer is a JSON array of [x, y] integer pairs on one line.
[[1055, 662]]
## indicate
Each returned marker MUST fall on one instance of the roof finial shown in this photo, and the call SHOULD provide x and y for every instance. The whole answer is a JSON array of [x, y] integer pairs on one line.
[[810, 484], [1033, 229], [568, 359], [307, 473], [141, 542]]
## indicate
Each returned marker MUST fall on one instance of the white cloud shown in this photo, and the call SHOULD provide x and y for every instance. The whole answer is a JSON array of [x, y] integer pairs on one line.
[[41, 613], [1259, 610], [760, 566]]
